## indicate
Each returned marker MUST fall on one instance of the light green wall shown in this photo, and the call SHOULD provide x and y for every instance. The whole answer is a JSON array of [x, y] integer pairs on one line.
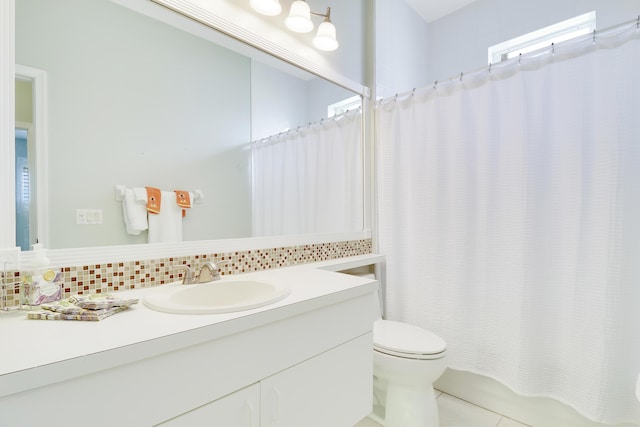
[[132, 101], [24, 102]]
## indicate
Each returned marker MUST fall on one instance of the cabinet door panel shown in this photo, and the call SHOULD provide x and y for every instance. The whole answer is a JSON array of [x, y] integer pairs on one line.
[[331, 389], [239, 409]]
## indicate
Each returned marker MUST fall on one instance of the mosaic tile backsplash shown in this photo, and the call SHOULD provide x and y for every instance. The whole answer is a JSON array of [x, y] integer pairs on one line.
[[117, 276]]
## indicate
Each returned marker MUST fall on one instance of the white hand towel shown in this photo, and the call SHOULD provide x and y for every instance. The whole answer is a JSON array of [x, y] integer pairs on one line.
[[135, 215], [140, 195], [167, 225]]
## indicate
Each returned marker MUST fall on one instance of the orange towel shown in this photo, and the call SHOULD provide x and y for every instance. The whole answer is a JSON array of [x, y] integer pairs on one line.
[[153, 200], [183, 200]]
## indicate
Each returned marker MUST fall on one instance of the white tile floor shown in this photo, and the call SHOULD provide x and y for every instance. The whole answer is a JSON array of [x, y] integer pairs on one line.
[[458, 413]]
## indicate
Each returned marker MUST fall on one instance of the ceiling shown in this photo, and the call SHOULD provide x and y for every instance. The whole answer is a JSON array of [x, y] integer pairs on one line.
[[432, 10]]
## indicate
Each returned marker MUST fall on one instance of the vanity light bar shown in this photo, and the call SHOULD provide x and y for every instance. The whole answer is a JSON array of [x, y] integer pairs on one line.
[[299, 21]]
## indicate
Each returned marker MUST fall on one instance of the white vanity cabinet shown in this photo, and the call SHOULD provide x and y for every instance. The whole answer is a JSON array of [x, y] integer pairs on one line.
[[306, 362], [239, 409], [322, 391]]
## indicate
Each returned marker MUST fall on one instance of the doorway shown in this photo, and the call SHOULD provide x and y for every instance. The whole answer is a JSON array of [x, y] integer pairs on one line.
[[31, 166], [26, 233]]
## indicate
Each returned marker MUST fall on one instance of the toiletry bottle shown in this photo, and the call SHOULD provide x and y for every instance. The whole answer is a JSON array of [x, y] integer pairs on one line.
[[40, 283]]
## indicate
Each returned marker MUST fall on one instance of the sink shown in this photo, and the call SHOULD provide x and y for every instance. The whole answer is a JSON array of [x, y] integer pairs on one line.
[[222, 296]]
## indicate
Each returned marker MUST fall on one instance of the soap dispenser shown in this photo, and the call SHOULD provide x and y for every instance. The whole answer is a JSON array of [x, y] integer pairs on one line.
[[40, 283]]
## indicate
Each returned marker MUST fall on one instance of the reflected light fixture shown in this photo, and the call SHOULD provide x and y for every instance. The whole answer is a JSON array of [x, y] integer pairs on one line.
[[299, 21], [266, 7]]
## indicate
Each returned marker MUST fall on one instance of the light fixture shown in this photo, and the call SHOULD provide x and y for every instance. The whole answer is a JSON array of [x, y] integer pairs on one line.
[[325, 38], [299, 21], [267, 7]]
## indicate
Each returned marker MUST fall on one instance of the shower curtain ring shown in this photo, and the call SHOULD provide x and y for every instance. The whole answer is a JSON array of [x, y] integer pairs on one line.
[[594, 36], [461, 76]]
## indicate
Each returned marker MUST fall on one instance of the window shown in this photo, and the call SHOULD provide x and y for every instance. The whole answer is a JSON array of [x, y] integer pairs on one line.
[[343, 106], [556, 33]]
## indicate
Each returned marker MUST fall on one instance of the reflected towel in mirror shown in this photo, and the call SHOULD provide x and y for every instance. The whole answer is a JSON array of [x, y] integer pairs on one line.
[[166, 226], [154, 200], [135, 214]]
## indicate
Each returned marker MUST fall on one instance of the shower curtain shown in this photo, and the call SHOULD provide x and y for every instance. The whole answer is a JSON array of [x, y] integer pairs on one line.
[[509, 212], [309, 180]]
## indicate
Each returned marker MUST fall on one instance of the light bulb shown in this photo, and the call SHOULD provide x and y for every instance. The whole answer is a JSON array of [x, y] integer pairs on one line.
[[266, 7], [325, 38], [299, 19]]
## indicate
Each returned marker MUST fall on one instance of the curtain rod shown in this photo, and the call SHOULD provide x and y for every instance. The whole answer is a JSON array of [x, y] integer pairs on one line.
[[531, 54], [298, 128]]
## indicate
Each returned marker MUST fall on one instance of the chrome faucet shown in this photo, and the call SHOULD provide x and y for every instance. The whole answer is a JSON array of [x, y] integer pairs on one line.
[[187, 279], [208, 272]]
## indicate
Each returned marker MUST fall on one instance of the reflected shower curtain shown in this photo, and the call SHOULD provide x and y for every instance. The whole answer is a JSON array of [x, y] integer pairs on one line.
[[309, 180], [509, 212]]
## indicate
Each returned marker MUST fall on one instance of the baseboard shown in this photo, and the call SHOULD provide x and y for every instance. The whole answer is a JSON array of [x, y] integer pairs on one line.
[[494, 396]]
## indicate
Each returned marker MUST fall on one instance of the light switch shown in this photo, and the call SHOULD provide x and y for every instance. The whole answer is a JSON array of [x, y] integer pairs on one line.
[[81, 216], [88, 216]]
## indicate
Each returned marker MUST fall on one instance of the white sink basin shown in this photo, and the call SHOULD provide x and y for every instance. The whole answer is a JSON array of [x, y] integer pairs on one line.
[[223, 296]]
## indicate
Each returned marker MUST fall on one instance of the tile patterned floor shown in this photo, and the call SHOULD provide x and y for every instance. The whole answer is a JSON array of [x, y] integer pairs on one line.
[[458, 413]]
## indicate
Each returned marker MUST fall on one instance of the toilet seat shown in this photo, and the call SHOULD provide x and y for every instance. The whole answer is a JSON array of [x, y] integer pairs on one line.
[[407, 341]]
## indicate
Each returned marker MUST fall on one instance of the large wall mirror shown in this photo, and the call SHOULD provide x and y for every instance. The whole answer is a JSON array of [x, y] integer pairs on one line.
[[140, 101]]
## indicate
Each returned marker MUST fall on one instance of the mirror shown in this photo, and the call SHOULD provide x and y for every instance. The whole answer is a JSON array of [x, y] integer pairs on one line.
[[134, 101]]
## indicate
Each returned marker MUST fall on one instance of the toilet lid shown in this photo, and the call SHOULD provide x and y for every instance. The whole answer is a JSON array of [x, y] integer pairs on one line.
[[405, 340]]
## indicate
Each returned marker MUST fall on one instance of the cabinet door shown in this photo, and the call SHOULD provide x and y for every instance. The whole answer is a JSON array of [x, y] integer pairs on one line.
[[238, 409], [331, 389]]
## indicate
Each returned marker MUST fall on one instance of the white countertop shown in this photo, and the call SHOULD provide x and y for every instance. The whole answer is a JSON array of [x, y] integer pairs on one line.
[[39, 352]]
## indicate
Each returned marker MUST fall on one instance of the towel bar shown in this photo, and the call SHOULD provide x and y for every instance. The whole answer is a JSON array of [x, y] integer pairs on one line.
[[198, 195]]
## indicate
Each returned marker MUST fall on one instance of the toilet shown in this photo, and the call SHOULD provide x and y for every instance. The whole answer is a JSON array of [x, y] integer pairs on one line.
[[407, 359]]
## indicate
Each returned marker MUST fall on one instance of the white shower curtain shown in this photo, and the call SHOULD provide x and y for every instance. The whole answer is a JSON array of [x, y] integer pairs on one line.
[[509, 211], [309, 180]]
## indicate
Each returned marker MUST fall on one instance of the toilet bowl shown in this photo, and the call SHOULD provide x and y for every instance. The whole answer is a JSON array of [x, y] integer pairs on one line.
[[406, 361]]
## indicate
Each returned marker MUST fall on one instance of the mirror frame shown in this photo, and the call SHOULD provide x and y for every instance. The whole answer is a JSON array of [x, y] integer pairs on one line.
[[223, 21]]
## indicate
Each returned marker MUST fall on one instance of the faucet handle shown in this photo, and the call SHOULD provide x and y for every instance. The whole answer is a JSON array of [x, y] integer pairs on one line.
[[210, 271], [187, 279]]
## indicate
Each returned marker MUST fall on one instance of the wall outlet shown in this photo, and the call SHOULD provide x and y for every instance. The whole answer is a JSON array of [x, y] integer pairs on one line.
[[88, 216]]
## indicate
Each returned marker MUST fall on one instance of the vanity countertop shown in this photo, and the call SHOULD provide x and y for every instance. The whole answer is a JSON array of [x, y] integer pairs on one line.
[[39, 352]]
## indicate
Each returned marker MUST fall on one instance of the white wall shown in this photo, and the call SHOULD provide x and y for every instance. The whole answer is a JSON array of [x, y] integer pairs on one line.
[[280, 101], [134, 102], [402, 47], [459, 42], [411, 53], [349, 18]]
